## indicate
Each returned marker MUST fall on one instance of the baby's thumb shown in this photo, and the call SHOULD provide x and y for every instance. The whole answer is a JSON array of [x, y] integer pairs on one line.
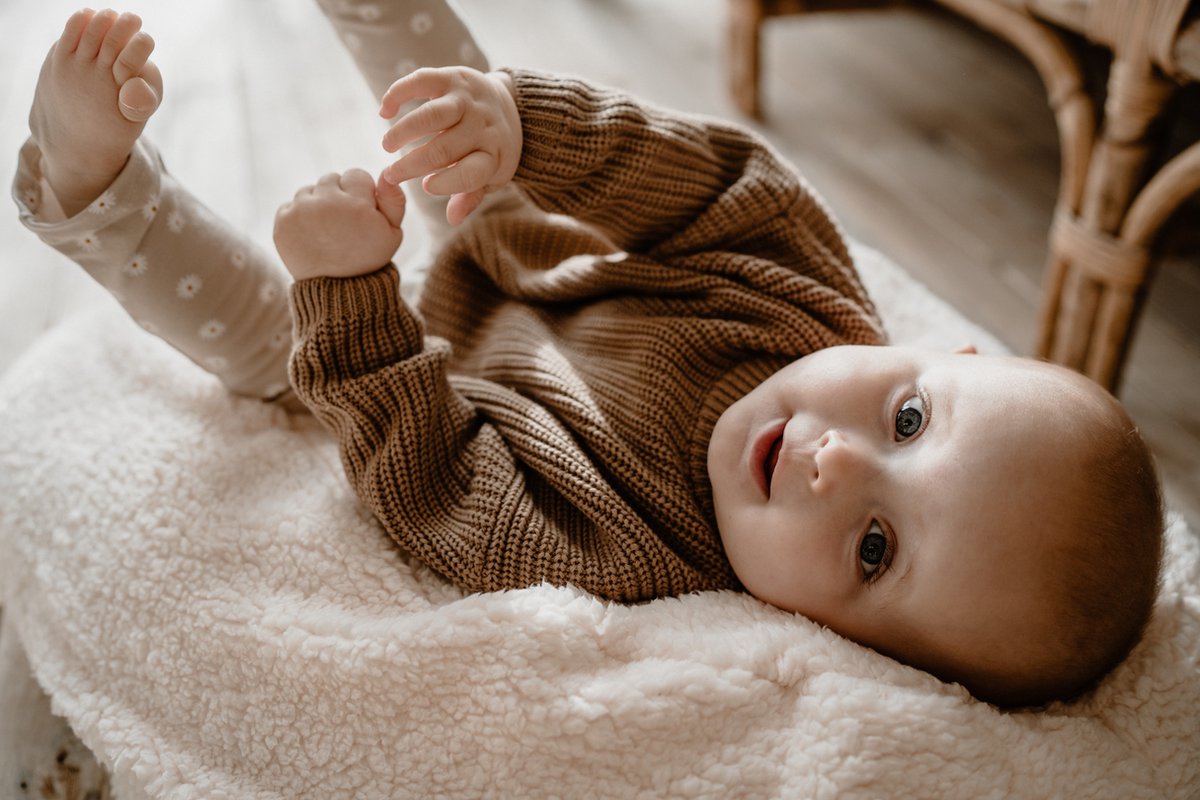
[[391, 201]]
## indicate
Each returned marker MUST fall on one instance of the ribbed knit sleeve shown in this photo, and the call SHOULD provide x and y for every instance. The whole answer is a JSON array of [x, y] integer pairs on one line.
[[665, 183], [691, 193], [609, 160], [361, 364]]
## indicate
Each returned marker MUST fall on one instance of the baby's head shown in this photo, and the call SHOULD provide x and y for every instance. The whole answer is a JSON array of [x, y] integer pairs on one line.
[[995, 521]]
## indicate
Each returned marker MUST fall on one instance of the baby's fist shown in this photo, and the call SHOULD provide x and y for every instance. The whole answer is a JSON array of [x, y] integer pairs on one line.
[[342, 226]]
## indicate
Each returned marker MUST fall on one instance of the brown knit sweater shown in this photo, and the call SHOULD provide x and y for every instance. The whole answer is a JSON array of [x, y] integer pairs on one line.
[[546, 415]]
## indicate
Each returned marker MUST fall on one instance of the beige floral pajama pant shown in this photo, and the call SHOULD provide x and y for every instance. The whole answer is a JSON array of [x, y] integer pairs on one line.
[[178, 269]]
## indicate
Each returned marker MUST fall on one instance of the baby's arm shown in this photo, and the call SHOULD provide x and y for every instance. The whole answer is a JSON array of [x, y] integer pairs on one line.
[[362, 365], [340, 227]]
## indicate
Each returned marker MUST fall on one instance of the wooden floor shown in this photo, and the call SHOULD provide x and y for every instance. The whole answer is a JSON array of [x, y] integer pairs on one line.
[[931, 140]]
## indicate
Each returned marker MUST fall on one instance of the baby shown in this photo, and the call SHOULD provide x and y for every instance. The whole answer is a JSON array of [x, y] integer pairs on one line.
[[642, 364]]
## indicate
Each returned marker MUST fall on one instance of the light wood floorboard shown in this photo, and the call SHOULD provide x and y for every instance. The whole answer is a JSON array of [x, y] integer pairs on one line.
[[931, 140]]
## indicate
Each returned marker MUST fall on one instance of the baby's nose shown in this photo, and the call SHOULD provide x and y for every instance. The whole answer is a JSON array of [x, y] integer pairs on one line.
[[839, 458]]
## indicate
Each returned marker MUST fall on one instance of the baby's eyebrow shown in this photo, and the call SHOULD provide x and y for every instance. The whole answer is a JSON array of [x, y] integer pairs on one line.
[[941, 405]]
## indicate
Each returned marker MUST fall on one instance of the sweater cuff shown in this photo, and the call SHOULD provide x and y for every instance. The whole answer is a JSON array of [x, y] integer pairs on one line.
[[346, 327], [551, 108], [323, 298]]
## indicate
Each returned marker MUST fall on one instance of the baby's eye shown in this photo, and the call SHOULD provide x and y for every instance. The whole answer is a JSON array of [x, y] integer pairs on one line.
[[873, 550], [909, 418]]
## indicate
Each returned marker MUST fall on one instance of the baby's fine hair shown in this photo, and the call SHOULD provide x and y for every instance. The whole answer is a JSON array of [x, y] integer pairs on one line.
[[1111, 570]]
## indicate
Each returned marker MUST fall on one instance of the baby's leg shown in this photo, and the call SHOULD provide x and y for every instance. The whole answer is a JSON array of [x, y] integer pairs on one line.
[[93, 190], [389, 39]]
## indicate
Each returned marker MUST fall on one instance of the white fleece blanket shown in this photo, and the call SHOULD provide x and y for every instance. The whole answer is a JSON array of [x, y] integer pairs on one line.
[[216, 616]]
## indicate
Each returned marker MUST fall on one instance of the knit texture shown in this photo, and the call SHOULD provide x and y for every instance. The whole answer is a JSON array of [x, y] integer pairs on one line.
[[546, 414]]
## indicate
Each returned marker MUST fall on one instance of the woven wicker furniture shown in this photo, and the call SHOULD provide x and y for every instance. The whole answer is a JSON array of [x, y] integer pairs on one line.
[[1108, 211]]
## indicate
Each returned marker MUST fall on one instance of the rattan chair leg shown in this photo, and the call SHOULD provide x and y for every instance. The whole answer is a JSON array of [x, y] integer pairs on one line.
[[745, 54], [1094, 329]]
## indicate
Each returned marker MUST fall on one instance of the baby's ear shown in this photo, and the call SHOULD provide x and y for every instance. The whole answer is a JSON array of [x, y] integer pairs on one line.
[[966, 350]]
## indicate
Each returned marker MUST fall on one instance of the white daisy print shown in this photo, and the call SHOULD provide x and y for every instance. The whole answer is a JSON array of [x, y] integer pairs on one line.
[[268, 293], [280, 340], [238, 257], [188, 286], [369, 13], [405, 66], [103, 204], [421, 24], [175, 221], [216, 363], [150, 207], [88, 242], [466, 52], [353, 42], [148, 327], [30, 197], [136, 266], [274, 390], [212, 329]]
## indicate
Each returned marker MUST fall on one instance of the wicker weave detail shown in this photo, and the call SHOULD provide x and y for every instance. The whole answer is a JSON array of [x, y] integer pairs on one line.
[[1101, 257]]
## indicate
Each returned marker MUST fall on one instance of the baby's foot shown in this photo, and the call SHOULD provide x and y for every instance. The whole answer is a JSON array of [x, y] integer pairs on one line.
[[95, 92]]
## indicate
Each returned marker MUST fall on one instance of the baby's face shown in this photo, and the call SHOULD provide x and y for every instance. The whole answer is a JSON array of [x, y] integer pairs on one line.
[[906, 499]]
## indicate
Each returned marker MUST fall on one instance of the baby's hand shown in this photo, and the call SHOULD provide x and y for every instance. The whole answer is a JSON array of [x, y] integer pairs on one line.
[[344, 225], [475, 128]]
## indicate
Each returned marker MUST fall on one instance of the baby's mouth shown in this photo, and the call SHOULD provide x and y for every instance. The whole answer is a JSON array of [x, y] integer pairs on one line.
[[771, 460], [764, 456]]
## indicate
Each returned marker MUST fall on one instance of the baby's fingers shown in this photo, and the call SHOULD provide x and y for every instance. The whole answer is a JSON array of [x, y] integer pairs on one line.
[[471, 173], [390, 200], [439, 152], [429, 118], [357, 183], [461, 205], [419, 85]]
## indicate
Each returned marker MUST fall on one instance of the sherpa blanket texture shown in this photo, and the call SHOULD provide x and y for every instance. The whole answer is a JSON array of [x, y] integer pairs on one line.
[[205, 601]]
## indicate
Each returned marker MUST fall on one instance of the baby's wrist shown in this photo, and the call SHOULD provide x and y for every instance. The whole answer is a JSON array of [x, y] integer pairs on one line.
[[336, 271], [506, 80]]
